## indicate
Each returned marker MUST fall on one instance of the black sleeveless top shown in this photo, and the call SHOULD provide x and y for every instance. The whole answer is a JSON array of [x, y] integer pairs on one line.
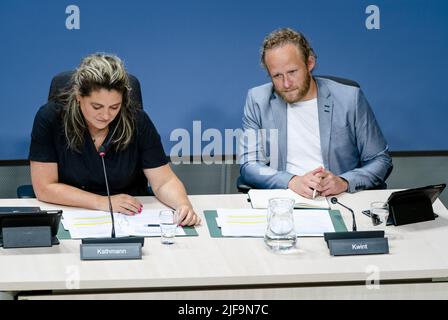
[[83, 169]]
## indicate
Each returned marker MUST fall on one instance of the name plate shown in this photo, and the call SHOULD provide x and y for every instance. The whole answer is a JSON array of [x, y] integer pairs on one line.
[[360, 246], [111, 251], [27, 237]]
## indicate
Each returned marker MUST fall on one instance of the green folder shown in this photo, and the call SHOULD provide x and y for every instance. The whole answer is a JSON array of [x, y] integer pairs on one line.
[[65, 234], [215, 231], [62, 233]]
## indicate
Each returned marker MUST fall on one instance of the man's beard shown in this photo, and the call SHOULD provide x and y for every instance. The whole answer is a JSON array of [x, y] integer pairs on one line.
[[302, 91]]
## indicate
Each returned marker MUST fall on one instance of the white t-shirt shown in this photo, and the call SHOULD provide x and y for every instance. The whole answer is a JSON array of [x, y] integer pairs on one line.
[[304, 152]]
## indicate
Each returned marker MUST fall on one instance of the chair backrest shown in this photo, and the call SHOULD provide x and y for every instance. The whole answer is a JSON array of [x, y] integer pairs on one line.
[[25, 191], [242, 186], [342, 80], [62, 82]]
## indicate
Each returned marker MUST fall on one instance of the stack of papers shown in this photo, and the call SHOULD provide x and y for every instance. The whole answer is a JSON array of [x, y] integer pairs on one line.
[[260, 199], [253, 222], [97, 224]]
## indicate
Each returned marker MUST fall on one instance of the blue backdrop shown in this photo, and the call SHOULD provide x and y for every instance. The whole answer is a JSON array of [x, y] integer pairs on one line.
[[196, 59]]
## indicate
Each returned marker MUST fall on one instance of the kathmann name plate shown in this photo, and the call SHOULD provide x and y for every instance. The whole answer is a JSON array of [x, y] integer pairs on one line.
[[111, 251]]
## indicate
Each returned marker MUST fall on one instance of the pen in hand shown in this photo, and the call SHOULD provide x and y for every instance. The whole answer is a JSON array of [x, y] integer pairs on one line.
[[315, 192]]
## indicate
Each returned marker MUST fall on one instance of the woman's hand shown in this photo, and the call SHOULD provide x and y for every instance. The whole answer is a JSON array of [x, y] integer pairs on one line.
[[187, 216], [122, 203], [169, 190]]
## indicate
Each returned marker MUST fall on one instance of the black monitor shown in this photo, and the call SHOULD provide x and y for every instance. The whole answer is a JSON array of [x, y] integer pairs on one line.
[[414, 205], [8, 210], [28, 227]]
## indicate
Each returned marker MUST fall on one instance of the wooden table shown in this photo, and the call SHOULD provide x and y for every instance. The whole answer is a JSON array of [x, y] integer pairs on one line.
[[238, 268]]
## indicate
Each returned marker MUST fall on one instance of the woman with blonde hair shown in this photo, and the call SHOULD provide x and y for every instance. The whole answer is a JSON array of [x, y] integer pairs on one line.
[[97, 115]]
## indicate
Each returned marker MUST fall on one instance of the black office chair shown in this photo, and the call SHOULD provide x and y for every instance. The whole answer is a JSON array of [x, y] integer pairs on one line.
[[341, 80], [242, 186], [60, 83], [25, 191]]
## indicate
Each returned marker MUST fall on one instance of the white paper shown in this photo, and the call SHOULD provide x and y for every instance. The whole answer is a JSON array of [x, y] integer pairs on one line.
[[312, 223], [97, 224], [259, 199], [242, 222], [253, 222]]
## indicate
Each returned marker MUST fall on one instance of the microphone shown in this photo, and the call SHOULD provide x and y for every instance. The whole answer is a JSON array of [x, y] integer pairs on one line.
[[102, 154], [355, 242], [112, 248], [334, 200]]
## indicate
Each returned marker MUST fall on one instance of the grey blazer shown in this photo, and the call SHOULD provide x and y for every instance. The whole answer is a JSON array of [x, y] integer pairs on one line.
[[352, 144]]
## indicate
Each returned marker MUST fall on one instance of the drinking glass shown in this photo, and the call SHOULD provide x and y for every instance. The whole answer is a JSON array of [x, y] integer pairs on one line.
[[168, 225], [280, 233]]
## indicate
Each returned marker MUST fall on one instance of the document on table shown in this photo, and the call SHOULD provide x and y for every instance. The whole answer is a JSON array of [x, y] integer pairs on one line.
[[253, 222], [259, 199], [97, 224]]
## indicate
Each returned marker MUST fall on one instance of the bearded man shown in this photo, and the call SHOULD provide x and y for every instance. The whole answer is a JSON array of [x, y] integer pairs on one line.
[[308, 133]]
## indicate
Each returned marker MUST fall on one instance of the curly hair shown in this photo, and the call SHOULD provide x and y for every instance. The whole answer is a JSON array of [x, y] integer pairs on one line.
[[280, 37]]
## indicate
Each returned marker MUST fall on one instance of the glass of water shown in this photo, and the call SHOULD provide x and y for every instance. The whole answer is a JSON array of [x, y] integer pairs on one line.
[[168, 221], [280, 233]]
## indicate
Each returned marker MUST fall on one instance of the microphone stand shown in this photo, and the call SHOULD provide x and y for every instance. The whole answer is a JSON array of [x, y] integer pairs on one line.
[[334, 200], [112, 248], [355, 242], [102, 153]]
